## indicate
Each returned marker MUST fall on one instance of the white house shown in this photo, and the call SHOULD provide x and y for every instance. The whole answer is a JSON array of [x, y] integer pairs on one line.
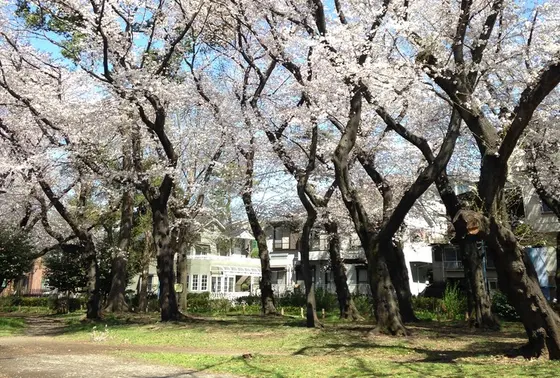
[[217, 263]]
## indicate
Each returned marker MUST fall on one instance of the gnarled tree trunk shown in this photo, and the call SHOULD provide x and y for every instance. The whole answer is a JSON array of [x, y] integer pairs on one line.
[[165, 263], [116, 301], [518, 280], [267, 296], [398, 271], [558, 267], [385, 299], [182, 270], [93, 305], [481, 304], [311, 312], [345, 303]]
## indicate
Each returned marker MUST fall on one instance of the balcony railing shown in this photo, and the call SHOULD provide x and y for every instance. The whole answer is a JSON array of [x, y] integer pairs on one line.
[[453, 265], [219, 257], [229, 295]]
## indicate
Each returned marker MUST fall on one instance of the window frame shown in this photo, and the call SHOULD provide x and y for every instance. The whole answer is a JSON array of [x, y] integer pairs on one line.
[[206, 246], [203, 282], [195, 282]]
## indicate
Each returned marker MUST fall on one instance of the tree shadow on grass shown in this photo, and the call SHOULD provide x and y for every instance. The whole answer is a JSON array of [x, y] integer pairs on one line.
[[443, 355]]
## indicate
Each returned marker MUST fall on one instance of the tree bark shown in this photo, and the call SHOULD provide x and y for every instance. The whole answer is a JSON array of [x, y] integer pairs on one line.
[[481, 307], [479, 301], [143, 294], [165, 263], [399, 276], [557, 267], [268, 306], [116, 300], [311, 313], [182, 271], [145, 270], [518, 280], [93, 308], [345, 302], [386, 303]]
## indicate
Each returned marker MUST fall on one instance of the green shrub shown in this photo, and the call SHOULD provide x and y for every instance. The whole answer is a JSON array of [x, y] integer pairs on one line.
[[502, 308], [220, 306], [454, 304], [24, 301], [198, 302], [294, 298], [63, 305], [249, 300], [426, 304], [325, 300], [363, 304]]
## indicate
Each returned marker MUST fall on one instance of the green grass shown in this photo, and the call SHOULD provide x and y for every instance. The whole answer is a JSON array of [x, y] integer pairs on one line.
[[283, 347], [329, 365], [11, 326], [26, 310]]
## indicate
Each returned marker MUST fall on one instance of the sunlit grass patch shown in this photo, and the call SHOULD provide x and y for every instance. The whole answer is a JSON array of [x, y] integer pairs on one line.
[[11, 326]]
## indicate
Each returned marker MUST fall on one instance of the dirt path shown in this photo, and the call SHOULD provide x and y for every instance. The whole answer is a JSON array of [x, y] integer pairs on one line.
[[38, 354]]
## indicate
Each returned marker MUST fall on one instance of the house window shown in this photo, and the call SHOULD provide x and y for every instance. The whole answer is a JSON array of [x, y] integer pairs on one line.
[[195, 282], [281, 238], [299, 273], [150, 279], [361, 272], [493, 285], [202, 249], [214, 283], [231, 285], [188, 281], [219, 284], [203, 282], [315, 242], [438, 256], [545, 209]]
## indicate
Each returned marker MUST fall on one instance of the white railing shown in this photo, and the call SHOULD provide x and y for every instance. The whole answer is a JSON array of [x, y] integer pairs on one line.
[[453, 265], [219, 257], [229, 295], [280, 289], [362, 288]]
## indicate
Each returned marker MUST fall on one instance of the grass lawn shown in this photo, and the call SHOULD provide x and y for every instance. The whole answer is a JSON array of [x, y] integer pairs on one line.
[[11, 326], [281, 347]]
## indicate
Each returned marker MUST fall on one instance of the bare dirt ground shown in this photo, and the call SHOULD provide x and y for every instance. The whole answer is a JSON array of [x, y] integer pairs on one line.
[[38, 354]]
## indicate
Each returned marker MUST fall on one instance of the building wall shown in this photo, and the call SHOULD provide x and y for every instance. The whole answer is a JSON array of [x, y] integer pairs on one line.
[[534, 216]]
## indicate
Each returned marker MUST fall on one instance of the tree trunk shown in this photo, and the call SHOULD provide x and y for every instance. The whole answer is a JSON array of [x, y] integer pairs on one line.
[[182, 272], [311, 313], [518, 280], [557, 267], [143, 293], [165, 263], [399, 277], [481, 303], [93, 281], [386, 303], [267, 296], [516, 274], [116, 301], [145, 271], [346, 305], [268, 306]]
